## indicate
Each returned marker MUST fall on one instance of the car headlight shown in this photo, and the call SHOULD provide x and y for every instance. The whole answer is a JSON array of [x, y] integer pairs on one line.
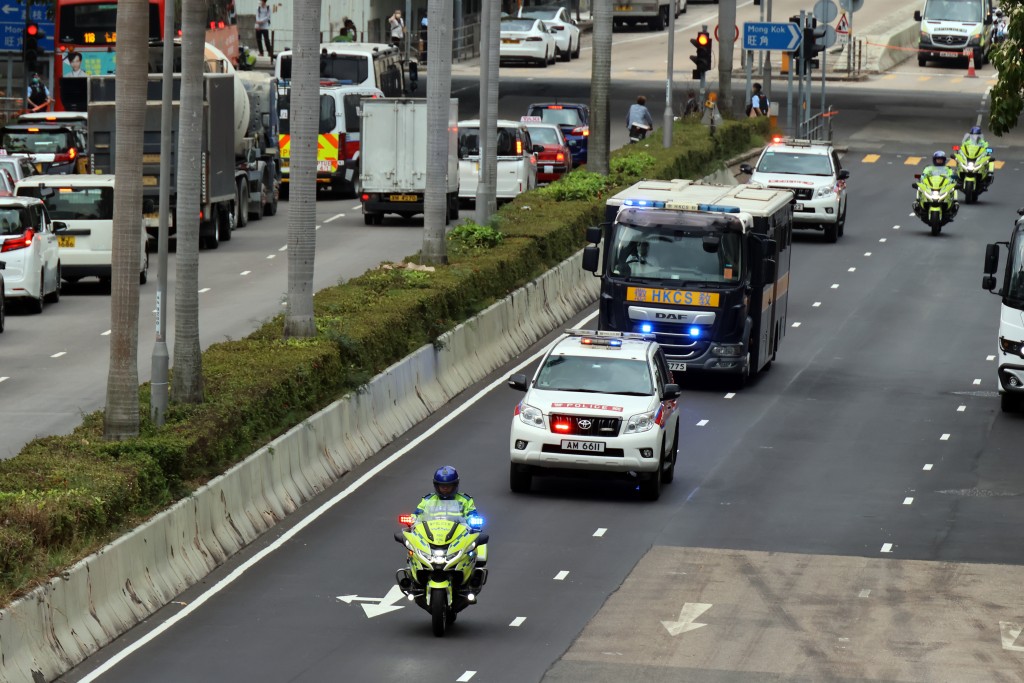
[[925, 37], [968, 166], [975, 40], [729, 350], [1009, 346], [439, 557], [452, 556], [531, 416], [936, 196], [640, 423], [825, 191]]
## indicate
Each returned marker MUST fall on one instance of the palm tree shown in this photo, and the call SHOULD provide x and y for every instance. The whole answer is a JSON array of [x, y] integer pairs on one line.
[[599, 144], [305, 108], [187, 380], [439, 88], [121, 419], [726, 16]]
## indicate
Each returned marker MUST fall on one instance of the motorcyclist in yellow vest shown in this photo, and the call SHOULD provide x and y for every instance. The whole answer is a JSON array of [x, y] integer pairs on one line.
[[446, 491]]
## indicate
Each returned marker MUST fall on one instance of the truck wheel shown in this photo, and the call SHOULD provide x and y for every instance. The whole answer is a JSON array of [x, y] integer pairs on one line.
[[1008, 403], [284, 191], [270, 208], [658, 24], [258, 213], [922, 60], [518, 479], [225, 224], [243, 201], [650, 488], [832, 233], [212, 239]]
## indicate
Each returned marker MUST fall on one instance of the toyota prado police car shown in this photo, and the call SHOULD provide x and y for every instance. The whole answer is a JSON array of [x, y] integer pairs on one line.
[[601, 402], [811, 170]]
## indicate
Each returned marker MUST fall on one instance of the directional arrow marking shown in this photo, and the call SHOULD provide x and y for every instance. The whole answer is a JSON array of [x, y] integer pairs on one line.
[[376, 606], [1009, 632], [687, 614], [795, 36], [7, 9]]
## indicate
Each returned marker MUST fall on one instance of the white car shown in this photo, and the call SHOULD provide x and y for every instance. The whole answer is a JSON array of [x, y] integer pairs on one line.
[[567, 34], [517, 160], [601, 402], [28, 247], [85, 203], [812, 172], [527, 40], [20, 166]]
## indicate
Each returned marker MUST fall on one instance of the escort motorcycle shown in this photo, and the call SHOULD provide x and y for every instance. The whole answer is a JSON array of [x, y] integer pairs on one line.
[[975, 169], [442, 575], [936, 202]]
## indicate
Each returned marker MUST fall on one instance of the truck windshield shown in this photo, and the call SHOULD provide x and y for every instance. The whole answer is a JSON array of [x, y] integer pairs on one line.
[[663, 245], [1015, 290], [954, 10], [30, 142], [595, 375]]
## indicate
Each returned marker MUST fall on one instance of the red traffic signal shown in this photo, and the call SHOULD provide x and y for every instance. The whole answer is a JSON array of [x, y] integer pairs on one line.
[[32, 29]]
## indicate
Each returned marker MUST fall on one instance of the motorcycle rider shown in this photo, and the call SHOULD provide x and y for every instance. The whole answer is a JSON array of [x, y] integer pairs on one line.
[[639, 116], [446, 491], [975, 137], [939, 168]]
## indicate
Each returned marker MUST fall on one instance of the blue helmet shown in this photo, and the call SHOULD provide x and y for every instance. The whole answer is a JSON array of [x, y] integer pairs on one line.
[[446, 476], [939, 158], [976, 130]]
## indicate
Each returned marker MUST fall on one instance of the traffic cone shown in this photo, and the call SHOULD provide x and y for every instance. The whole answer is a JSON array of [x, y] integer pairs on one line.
[[970, 65]]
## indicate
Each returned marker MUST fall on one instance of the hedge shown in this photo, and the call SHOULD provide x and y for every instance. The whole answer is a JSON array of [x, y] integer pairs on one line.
[[62, 497]]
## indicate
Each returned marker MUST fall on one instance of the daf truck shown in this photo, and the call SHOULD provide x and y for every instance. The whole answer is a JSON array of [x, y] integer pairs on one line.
[[1010, 337]]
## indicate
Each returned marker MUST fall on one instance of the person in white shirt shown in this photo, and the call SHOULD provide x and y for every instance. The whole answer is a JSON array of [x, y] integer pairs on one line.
[[263, 29], [397, 24]]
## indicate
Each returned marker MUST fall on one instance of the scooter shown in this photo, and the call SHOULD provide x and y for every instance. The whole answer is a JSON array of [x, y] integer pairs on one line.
[[975, 169], [936, 202], [442, 575], [638, 131]]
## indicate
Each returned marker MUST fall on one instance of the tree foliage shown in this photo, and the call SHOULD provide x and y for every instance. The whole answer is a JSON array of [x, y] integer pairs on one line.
[[1008, 58]]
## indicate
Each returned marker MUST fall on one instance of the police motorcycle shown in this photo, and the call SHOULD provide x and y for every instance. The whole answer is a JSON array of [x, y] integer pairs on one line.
[[975, 169], [442, 575]]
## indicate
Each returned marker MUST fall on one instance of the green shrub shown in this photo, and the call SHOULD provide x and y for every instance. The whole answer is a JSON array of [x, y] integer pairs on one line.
[[471, 235], [576, 185]]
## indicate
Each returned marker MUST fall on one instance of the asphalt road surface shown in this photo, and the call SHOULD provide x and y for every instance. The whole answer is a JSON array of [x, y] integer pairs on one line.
[[852, 516]]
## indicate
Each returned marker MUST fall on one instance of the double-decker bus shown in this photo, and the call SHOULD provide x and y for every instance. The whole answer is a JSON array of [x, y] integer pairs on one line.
[[85, 40]]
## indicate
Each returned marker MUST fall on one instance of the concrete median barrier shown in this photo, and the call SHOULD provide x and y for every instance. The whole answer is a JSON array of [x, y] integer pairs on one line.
[[58, 625]]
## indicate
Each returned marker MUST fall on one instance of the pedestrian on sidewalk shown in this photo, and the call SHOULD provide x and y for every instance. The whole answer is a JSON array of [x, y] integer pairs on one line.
[[397, 24], [758, 105], [692, 106], [263, 29]]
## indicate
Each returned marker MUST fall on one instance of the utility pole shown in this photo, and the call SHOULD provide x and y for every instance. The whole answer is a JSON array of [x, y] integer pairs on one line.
[[766, 73], [726, 45], [667, 136], [158, 378]]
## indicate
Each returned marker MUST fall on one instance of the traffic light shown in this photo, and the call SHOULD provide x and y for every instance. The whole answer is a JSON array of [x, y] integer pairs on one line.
[[814, 43], [702, 58], [30, 51]]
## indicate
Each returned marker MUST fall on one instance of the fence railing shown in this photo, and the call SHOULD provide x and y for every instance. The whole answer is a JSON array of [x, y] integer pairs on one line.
[[819, 126], [465, 42], [10, 108]]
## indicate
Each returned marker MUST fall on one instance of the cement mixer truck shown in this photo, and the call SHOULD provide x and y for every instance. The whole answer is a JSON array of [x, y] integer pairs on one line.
[[241, 168]]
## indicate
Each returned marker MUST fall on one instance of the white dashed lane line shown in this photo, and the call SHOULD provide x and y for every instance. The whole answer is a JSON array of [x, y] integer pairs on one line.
[[270, 256], [730, 395], [864, 593], [990, 357], [944, 437], [896, 227], [867, 253], [105, 334], [560, 576], [961, 409], [517, 622], [851, 270], [359, 206], [835, 285], [816, 304], [319, 226], [245, 272], [882, 240], [59, 354], [977, 382], [600, 532], [702, 423], [796, 324], [908, 501], [928, 467], [337, 215], [887, 547], [204, 290], [465, 677], [284, 248], [4, 379]]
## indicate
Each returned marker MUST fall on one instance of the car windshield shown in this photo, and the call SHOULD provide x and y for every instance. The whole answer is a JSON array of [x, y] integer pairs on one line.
[[545, 136], [795, 162], [13, 220], [563, 117], [1016, 286], [521, 25], [76, 203], [661, 245], [953, 10], [41, 142], [588, 374]]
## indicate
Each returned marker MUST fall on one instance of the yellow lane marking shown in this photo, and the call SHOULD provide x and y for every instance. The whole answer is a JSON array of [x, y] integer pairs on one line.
[[1000, 164], [871, 158], [958, 79], [912, 161], [888, 77], [924, 78]]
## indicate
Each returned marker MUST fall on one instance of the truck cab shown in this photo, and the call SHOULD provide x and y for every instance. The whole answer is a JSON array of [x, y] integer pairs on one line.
[[950, 29], [1010, 339]]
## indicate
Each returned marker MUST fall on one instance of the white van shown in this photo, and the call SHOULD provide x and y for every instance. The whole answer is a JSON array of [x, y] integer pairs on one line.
[[86, 204], [517, 159], [374, 65], [952, 28]]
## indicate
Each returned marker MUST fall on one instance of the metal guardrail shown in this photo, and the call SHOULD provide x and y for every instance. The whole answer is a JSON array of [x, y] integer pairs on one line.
[[465, 42], [818, 127], [10, 108]]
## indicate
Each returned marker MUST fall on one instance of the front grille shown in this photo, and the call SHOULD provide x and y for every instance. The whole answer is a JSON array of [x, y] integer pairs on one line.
[[585, 425], [948, 40], [606, 453], [802, 194]]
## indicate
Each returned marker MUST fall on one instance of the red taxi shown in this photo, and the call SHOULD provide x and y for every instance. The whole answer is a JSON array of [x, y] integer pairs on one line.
[[554, 159]]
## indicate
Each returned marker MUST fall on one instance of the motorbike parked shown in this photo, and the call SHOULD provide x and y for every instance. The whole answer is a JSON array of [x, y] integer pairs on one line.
[[442, 576], [975, 169], [638, 131], [936, 202]]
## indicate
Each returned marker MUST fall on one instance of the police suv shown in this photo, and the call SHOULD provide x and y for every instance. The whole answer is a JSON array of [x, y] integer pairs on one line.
[[601, 403], [810, 169]]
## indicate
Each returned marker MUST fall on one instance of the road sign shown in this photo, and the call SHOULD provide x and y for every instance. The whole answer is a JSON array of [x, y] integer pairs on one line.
[[830, 36], [12, 25], [771, 36], [825, 11], [851, 5], [844, 25], [734, 38]]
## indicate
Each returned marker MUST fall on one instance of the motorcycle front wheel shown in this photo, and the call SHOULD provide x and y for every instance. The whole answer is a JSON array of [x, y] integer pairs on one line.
[[438, 610]]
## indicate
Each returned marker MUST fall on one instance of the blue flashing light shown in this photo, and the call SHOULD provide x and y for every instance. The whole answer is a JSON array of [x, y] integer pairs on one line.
[[615, 342], [644, 203], [475, 522], [646, 327], [721, 208], [694, 331]]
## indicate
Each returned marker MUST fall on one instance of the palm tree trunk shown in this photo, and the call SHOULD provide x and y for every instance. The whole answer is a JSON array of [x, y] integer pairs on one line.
[[599, 145], [305, 108], [121, 419], [187, 379], [439, 88], [490, 35]]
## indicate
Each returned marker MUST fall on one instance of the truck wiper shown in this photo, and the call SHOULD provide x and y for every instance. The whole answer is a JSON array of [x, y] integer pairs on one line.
[[630, 393]]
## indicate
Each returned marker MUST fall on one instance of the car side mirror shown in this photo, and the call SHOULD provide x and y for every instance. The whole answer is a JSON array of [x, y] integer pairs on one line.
[[844, 174], [988, 19], [518, 382], [400, 537], [591, 256], [482, 539], [58, 226], [594, 234], [671, 392], [537, 149], [917, 15], [991, 259], [747, 168], [3, 265]]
